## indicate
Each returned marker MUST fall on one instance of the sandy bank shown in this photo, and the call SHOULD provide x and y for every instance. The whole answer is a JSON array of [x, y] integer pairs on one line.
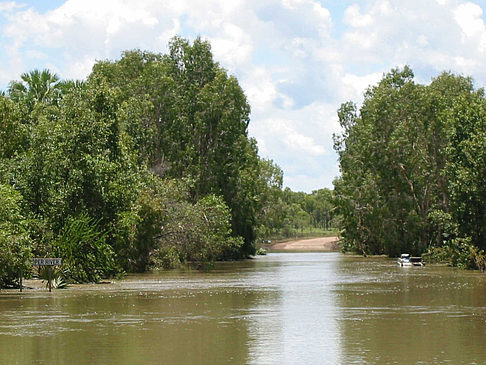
[[312, 244]]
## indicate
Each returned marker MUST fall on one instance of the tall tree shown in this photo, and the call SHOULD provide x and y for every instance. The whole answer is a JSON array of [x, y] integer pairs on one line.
[[36, 87], [192, 123], [393, 157], [15, 243]]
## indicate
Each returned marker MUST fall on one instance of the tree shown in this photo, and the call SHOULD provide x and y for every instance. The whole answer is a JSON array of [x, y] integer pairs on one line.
[[13, 133], [321, 208], [189, 120], [36, 87], [271, 217], [200, 233], [466, 166], [15, 246], [403, 166], [105, 166]]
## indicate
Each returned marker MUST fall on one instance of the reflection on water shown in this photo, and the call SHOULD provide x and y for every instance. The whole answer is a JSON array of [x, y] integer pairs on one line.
[[300, 326], [299, 308]]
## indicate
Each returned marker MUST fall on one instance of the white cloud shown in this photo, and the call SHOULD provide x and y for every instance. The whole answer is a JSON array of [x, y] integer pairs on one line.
[[354, 85], [79, 67], [353, 17], [233, 47], [260, 89], [297, 60], [468, 16], [292, 139], [9, 6]]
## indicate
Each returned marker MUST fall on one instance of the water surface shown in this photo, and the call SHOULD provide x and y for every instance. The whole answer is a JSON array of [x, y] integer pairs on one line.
[[284, 308]]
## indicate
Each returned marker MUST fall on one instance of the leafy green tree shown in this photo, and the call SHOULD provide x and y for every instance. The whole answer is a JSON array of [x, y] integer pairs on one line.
[[199, 233], [466, 166], [15, 246], [13, 133], [80, 163], [402, 160], [321, 208], [111, 167], [271, 216], [36, 87], [189, 120], [74, 158]]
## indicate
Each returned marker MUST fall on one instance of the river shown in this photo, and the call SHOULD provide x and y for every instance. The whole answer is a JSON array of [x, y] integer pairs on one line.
[[283, 308]]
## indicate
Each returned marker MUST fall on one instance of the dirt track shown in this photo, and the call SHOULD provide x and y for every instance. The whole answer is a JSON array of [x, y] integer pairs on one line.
[[313, 244]]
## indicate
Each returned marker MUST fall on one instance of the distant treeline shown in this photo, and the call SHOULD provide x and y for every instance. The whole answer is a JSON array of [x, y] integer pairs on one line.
[[294, 214], [145, 163], [413, 164]]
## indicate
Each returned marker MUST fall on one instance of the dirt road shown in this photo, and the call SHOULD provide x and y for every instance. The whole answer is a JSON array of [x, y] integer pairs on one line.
[[313, 244]]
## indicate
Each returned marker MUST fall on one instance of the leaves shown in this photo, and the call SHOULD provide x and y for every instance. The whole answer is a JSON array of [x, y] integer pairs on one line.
[[86, 255], [411, 155], [15, 244], [110, 168]]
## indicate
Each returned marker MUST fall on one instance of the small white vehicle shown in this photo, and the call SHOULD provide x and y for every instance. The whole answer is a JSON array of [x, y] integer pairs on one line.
[[406, 260]]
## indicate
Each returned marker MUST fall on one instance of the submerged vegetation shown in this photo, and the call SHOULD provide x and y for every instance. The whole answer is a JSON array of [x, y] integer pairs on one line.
[[146, 163], [413, 164]]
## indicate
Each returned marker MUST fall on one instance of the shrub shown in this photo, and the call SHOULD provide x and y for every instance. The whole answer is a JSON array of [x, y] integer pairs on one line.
[[15, 244], [200, 233], [86, 255], [458, 252]]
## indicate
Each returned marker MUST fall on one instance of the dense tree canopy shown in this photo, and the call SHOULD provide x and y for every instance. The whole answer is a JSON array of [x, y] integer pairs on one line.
[[412, 163], [145, 163], [190, 121]]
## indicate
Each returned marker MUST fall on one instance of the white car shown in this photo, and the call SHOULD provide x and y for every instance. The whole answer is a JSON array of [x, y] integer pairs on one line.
[[406, 260]]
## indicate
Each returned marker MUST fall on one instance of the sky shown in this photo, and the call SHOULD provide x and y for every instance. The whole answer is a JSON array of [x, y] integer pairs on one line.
[[296, 60]]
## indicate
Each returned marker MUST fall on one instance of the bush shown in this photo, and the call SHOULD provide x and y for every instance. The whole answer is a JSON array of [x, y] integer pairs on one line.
[[167, 257], [458, 252], [15, 244], [199, 233], [58, 276], [136, 232], [86, 255]]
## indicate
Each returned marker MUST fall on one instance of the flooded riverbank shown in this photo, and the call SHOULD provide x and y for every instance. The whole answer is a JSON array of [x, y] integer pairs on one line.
[[286, 308]]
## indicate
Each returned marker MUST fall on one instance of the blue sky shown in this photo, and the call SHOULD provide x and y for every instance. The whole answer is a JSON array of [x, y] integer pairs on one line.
[[297, 60]]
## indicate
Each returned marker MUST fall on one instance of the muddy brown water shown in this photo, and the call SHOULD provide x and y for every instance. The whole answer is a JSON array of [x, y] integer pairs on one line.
[[283, 308]]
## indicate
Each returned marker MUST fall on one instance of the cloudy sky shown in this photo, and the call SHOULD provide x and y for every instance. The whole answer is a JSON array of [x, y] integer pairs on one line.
[[297, 60]]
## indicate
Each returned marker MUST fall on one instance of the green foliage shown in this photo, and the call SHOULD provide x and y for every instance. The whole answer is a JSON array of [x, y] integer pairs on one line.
[[189, 120], [466, 166], [15, 244], [137, 229], [36, 87], [261, 251], [59, 276], [458, 253], [199, 233], [412, 162], [145, 163], [13, 133], [294, 214], [86, 255], [167, 257]]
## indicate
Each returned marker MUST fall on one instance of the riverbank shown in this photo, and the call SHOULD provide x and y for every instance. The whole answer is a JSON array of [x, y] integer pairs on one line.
[[327, 244]]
